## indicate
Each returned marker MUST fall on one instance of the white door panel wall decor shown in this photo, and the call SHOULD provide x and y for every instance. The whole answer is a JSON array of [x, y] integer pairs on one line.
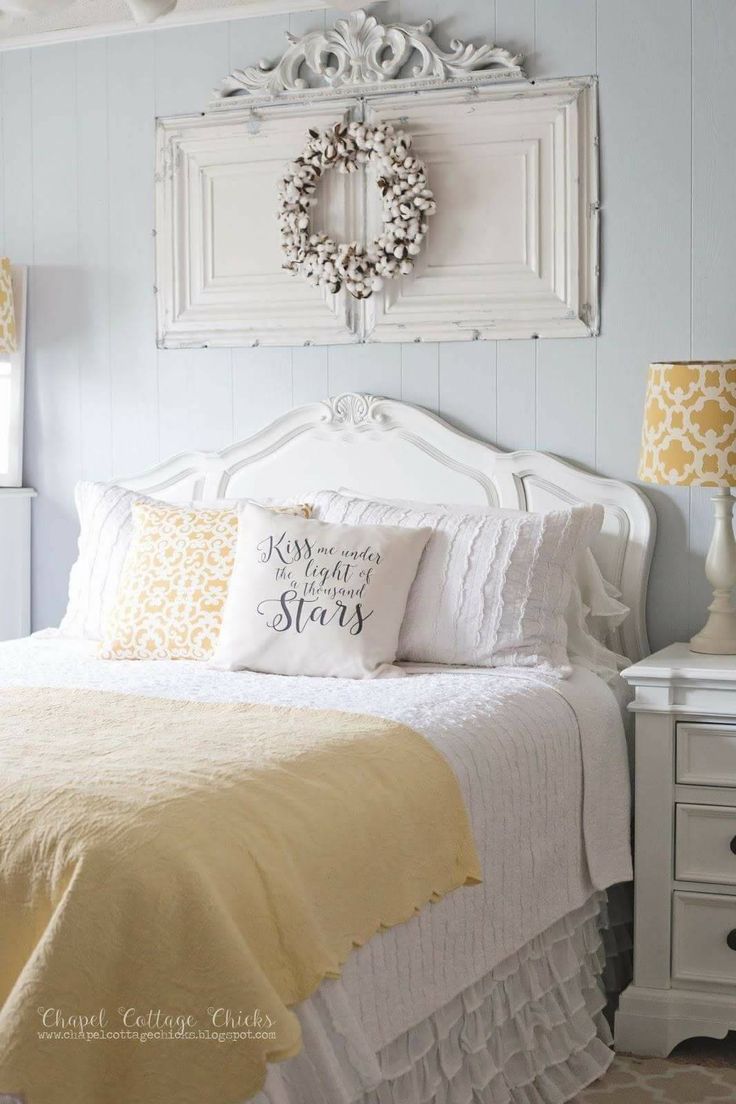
[[219, 277], [512, 250]]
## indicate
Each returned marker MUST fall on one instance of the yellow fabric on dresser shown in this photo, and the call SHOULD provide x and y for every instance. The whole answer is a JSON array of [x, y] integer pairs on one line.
[[8, 333], [174, 582], [166, 859]]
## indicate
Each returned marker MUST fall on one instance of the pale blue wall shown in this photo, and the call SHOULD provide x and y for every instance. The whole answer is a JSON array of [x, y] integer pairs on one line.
[[76, 204]]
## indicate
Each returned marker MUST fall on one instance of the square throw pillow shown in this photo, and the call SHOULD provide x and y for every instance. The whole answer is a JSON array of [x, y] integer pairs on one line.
[[173, 583], [309, 598], [493, 587], [105, 531]]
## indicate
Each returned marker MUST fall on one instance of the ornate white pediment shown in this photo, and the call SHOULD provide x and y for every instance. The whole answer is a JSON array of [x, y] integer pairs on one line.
[[360, 51]]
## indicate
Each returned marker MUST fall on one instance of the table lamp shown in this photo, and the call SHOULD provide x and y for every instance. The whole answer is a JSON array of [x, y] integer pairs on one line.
[[689, 438]]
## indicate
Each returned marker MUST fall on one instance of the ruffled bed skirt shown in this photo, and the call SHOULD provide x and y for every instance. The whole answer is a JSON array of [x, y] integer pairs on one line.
[[532, 1031]]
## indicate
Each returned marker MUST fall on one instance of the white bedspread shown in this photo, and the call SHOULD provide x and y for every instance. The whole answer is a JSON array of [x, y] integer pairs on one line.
[[543, 769]]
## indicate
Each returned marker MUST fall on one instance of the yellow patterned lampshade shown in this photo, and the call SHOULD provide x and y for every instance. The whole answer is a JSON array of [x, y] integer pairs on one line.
[[8, 336], [689, 433]]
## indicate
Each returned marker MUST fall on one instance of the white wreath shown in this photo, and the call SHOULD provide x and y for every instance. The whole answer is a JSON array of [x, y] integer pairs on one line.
[[407, 203]]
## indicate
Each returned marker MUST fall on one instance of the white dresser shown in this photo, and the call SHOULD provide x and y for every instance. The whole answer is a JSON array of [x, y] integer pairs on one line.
[[685, 852], [15, 561]]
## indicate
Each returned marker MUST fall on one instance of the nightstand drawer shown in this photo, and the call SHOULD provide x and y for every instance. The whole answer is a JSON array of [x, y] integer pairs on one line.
[[703, 929], [706, 754], [705, 844]]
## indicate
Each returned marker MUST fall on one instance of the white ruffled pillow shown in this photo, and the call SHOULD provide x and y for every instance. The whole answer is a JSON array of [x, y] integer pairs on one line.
[[493, 587], [105, 532], [594, 610]]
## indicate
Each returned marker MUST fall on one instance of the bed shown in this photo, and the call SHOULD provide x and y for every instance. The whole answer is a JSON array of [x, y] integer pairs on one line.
[[492, 993]]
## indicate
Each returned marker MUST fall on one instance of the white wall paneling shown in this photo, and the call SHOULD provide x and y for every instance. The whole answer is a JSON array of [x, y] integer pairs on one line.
[[516, 368], [95, 251], [131, 89], [77, 206], [15, 562], [53, 392], [713, 235], [647, 253]]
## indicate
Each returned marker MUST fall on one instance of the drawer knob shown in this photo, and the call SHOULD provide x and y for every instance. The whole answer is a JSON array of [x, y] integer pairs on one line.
[[731, 939], [733, 845]]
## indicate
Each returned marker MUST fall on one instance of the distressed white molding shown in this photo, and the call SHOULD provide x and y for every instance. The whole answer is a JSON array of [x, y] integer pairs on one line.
[[146, 11], [33, 7], [360, 51], [16, 34], [142, 11]]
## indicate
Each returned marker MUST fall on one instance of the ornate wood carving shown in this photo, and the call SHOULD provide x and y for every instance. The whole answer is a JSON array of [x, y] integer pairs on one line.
[[360, 51]]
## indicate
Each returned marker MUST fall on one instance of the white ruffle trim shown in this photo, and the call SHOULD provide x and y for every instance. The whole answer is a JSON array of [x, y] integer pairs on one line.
[[617, 931], [532, 1031]]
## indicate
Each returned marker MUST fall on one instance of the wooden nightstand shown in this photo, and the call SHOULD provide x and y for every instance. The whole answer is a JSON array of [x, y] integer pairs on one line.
[[685, 852], [15, 561]]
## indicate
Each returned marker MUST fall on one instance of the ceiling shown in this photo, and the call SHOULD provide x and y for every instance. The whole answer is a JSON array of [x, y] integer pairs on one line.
[[31, 22]]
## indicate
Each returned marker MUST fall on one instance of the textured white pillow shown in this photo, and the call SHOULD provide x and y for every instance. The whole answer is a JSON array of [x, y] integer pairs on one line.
[[593, 610], [105, 534], [309, 598], [493, 587]]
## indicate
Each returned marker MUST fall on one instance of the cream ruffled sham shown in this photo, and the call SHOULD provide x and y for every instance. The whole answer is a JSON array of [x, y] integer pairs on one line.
[[166, 859]]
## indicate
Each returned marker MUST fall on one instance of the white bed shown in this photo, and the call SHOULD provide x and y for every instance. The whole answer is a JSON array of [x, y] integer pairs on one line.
[[491, 994], [543, 770]]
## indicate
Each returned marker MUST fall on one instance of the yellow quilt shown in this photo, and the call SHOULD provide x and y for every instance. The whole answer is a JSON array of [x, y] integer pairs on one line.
[[174, 876]]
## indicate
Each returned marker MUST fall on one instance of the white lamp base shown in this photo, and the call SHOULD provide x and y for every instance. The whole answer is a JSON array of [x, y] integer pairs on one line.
[[718, 635]]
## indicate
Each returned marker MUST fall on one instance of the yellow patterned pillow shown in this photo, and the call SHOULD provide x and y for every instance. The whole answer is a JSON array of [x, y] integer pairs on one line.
[[174, 582]]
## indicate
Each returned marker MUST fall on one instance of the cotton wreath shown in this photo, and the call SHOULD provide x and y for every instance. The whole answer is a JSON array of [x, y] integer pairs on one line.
[[407, 204]]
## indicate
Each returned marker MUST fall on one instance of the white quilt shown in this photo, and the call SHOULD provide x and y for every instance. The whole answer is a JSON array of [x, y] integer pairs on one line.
[[543, 768]]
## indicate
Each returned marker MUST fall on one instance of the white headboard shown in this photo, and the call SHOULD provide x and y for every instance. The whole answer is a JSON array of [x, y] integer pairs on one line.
[[391, 449]]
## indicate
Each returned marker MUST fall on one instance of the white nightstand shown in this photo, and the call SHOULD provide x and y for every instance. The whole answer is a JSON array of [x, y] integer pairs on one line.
[[685, 852], [15, 561]]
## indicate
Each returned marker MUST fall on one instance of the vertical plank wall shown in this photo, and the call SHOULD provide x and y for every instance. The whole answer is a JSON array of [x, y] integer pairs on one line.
[[76, 204]]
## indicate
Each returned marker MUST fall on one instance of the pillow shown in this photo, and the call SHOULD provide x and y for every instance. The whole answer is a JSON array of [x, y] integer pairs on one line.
[[492, 589], [309, 598], [593, 610], [584, 648], [173, 583], [604, 611], [105, 528], [105, 532]]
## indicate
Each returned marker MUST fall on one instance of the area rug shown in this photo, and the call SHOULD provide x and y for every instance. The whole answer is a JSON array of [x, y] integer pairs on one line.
[[663, 1081]]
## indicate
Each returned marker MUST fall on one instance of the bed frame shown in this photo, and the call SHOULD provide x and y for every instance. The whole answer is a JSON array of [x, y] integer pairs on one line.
[[392, 449]]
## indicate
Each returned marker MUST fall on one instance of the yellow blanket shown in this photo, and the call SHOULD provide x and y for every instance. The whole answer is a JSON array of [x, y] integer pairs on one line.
[[174, 876]]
